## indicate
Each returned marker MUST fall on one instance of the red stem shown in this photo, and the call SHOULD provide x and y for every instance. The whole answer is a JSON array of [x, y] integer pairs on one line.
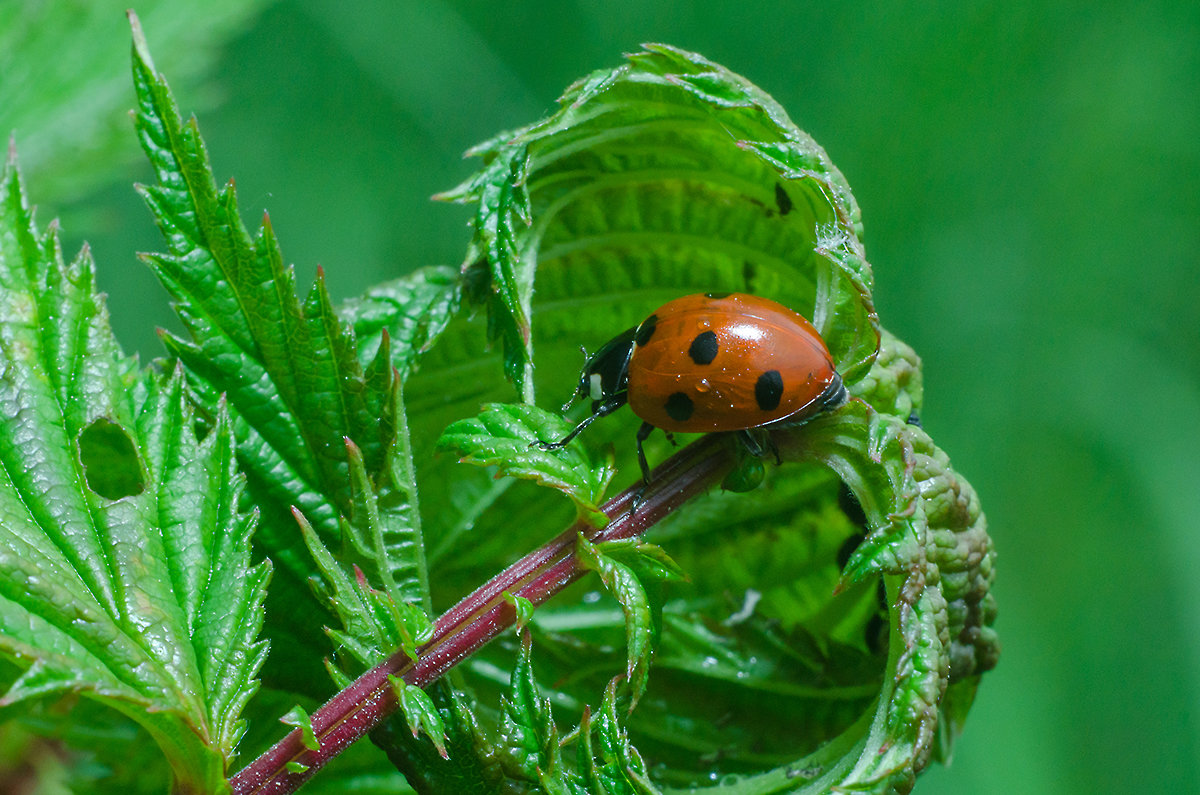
[[479, 618]]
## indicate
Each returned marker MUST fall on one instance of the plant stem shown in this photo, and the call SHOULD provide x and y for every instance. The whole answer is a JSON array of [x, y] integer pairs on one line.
[[480, 617]]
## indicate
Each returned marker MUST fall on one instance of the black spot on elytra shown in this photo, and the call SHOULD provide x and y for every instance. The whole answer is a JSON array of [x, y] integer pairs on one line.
[[646, 330], [717, 296], [782, 200], [768, 390], [679, 407], [704, 348]]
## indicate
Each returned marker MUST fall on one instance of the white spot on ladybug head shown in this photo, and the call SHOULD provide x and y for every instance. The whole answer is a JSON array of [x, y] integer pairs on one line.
[[596, 389]]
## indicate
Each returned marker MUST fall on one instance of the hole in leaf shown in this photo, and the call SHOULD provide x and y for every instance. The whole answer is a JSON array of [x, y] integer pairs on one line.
[[111, 465]]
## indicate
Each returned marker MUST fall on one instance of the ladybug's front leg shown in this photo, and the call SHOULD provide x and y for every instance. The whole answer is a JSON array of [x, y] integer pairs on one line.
[[599, 409], [563, 442]]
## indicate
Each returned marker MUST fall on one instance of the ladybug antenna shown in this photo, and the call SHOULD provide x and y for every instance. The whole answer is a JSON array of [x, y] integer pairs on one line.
[[571, 401]]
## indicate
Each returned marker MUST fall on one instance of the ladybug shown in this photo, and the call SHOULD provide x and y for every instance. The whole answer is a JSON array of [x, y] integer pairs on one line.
[[712, 362]]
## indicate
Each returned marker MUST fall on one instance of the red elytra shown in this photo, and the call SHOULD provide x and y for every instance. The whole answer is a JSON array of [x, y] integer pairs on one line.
[[725, 363], [712, 362]]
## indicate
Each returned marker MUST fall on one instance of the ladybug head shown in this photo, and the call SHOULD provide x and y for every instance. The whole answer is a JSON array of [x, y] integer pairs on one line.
[[605, 376]]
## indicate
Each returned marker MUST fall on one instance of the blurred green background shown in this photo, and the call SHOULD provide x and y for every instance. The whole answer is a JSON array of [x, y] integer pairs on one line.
[[1028, 174]]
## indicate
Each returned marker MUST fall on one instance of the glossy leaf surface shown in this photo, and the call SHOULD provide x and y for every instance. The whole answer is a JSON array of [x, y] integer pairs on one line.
[[125, 570]]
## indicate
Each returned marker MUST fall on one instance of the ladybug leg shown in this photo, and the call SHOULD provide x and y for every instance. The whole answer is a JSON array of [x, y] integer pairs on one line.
[[643, 434], [752, 445], [759, 444], [598, 410], [671, 438], [563, 442]]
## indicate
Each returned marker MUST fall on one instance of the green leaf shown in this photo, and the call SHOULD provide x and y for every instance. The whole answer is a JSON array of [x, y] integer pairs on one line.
[[381, 543], [374, 623], [623, 584], [421, 714], [290, 374], [894, 384], [874, 455], [298, 718], [616, 766], [124, 560], [523, 608], [528, 731], [384, 529], [647, 561], [411, 312], [962, 552], [507, 436], [498, 272]]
